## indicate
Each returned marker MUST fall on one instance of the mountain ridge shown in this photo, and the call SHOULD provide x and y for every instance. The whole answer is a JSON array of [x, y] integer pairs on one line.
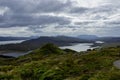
[[9, 38], [38, 42]]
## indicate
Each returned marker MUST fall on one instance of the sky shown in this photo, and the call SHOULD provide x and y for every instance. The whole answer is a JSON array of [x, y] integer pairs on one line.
[[59, 17]]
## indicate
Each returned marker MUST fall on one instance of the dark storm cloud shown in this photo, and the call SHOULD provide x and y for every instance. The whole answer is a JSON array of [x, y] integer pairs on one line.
[[114, 23], [23, 12], [24, 6], [79, 10], [26, 20], [61, 16], [84, 23]]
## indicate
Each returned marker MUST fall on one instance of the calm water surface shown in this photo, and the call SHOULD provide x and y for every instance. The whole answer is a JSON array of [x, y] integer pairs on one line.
[[14, 54], [77, 47]]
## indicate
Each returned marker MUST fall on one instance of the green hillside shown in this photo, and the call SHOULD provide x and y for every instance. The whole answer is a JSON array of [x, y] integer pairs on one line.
[[51, 63]]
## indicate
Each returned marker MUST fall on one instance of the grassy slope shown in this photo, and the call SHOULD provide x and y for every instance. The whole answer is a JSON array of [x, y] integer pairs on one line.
[[51, 63]]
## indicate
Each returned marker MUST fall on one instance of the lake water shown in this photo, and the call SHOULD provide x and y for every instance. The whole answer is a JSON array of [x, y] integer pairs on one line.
[[100, 42], [79, 47], [14, 54]]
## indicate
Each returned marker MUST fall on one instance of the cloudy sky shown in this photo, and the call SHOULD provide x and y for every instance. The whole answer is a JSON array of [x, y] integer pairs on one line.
[[59, 17]]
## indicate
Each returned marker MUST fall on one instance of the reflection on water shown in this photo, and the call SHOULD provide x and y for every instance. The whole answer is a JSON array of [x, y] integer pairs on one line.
[[79, 47]]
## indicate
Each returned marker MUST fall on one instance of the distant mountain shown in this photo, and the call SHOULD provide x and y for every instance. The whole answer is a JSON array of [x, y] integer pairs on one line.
[[110, 39], [13, 38], [96, 38], [88, 37], [36, 43], [49, 49]]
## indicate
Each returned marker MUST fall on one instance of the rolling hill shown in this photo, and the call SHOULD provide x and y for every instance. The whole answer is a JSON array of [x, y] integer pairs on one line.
[[88, 37], [51, 63], [13, 38], [38, 42]]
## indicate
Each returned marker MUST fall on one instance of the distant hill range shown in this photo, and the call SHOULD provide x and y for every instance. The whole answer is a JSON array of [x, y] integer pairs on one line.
[[13, 38], [96, 38], [110, 39], [38, 42], [35, 43], [88, 37]]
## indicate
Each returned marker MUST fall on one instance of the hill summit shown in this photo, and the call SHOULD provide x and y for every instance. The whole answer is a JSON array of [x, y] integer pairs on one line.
[[49, 48]]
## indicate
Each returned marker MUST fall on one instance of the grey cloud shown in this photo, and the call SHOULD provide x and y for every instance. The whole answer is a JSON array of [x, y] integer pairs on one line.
[[113, 22], [36, 29], [33, 6], [22, 13], [77, 10], [26, 20], [83, 23]]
